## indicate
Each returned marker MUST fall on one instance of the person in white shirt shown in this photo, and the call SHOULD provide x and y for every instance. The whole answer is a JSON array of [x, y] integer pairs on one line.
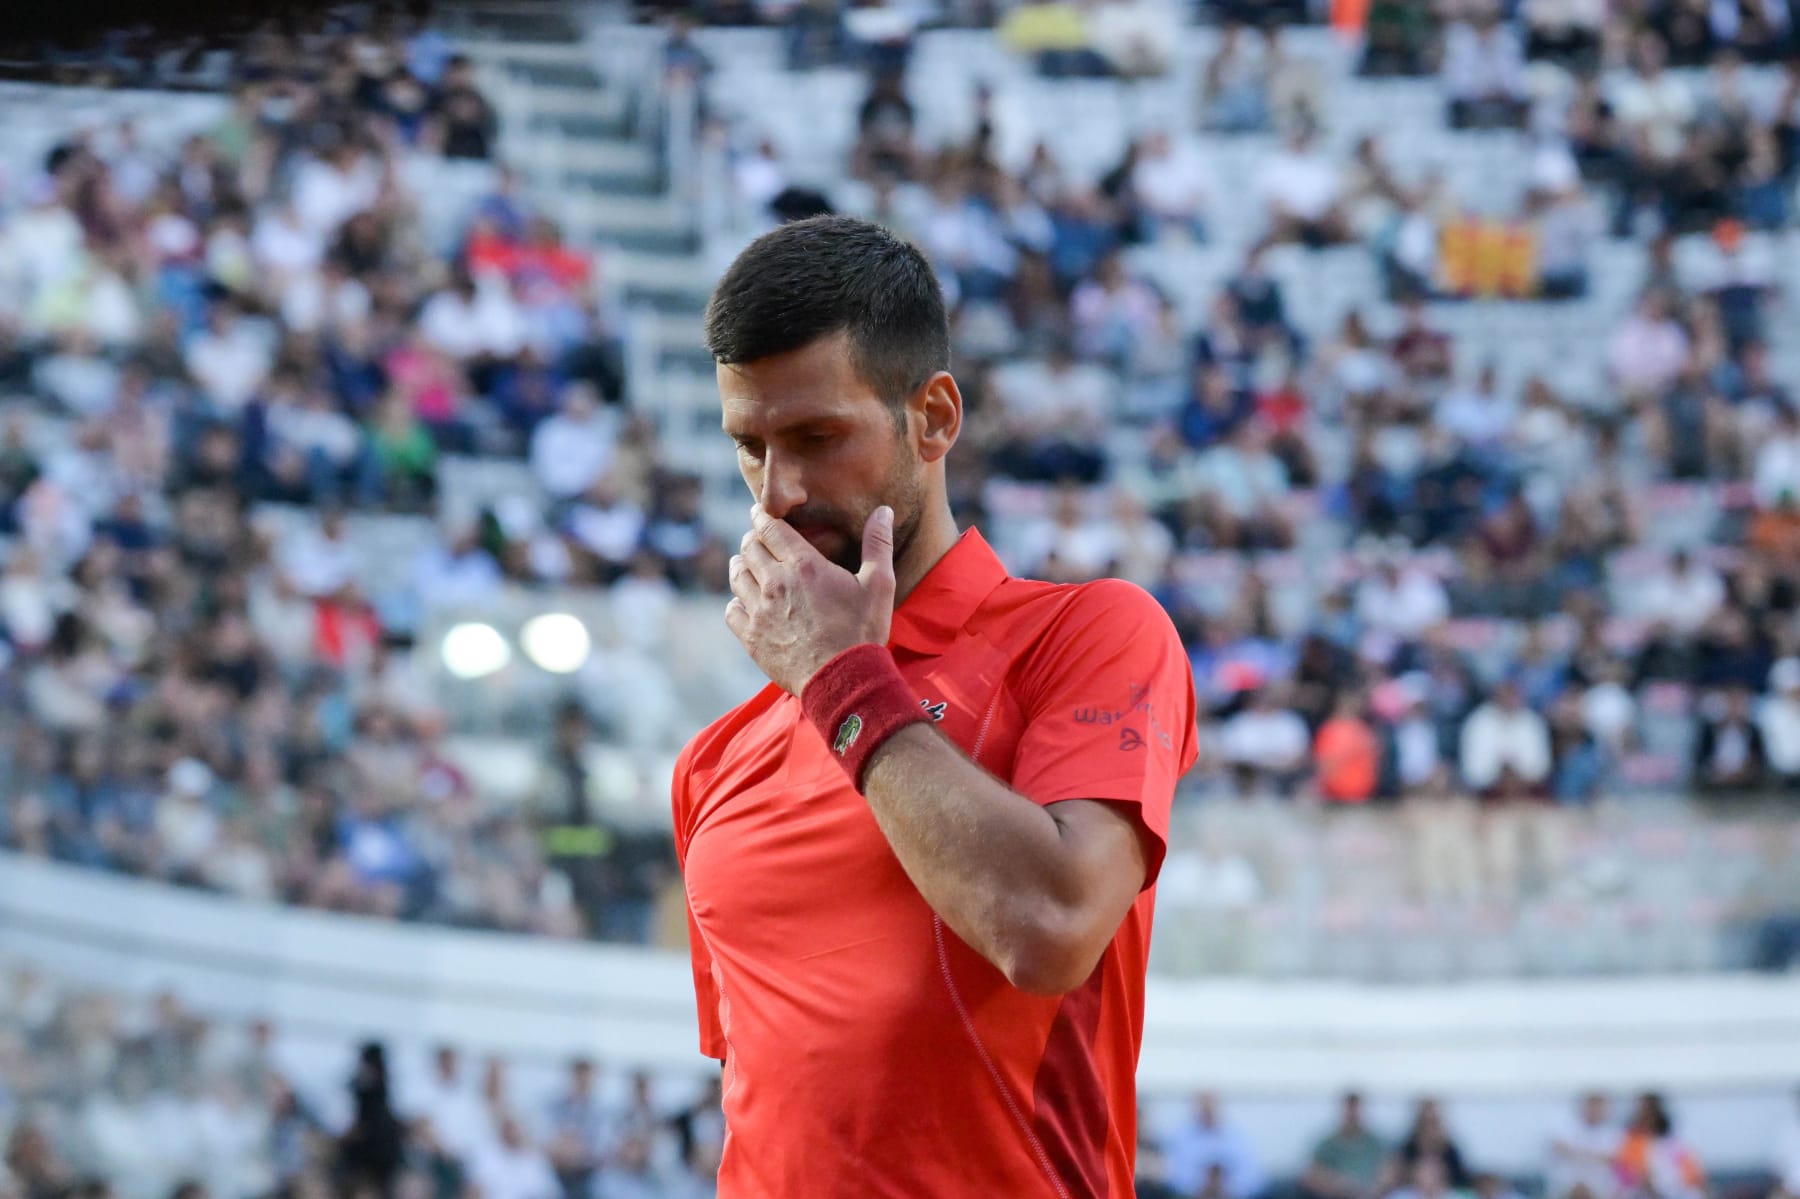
[[1504, 742], [453, 1106], [758, 177], [1402, 600], [1248, 482], [1483, 71], [1684, 595], [1777, 468], [233, 1134], [1654, 106], [1053, 414], [473, 319], [606, 524], [1481, 414], [1649, 349], [228, 359], [1206, 1141], [319, 561], [510, 1167], [1303, 189], [1778, 719], [457, 573], [328, 191], [1580, 1162], [285, 247], [46, 235], [1067, 544], [1268, 738], [573, 448], [1172, 184]]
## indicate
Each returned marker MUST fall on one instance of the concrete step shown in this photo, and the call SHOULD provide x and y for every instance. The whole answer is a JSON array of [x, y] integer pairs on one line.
[[606, 183], [605, 120], [593, 101], [553, 52]]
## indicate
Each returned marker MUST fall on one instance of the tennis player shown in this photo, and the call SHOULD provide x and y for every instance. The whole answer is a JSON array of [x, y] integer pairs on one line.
[[919, 864]]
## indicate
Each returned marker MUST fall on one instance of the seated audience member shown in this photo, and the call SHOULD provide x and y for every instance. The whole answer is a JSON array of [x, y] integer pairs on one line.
[[1429, 1142], [1580, 1164], [1483, 71], [1207, 1148], [1349, 1162], [1652, 1160], [1729, 756]]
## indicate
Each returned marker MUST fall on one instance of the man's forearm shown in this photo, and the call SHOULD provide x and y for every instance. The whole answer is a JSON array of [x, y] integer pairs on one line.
[[988, 860]]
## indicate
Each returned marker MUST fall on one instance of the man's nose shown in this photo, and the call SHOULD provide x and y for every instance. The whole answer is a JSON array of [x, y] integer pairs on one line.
[[782, 490]]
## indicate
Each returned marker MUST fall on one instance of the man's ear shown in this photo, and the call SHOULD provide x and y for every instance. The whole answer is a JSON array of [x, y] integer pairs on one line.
[[935, 413]]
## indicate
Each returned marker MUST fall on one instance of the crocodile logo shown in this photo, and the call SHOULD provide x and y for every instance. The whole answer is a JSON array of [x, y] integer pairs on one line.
[[847, 734]]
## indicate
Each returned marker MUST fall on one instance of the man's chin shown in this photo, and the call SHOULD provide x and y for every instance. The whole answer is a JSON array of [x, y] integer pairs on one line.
[[835, 548]]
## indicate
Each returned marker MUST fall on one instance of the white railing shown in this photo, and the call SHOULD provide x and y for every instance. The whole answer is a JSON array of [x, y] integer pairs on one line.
[[538, 998]]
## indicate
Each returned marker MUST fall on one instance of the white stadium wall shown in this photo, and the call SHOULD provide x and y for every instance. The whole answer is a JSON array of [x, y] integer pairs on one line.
[[1510, 1054]]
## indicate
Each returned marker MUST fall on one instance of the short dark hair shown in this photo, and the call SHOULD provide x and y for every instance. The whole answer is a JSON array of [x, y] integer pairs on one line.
[[827, 275]]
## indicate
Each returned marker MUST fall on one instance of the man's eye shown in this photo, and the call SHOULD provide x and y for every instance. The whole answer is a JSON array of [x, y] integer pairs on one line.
[[748, 450]]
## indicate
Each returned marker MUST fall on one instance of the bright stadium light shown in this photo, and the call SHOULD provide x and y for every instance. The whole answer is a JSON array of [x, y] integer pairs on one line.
[[475, 650], [556, 641]]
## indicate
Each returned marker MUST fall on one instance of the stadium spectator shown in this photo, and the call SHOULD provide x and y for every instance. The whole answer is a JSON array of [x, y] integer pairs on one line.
[[1786, 1156], [1234, 89], [1483, 69], [1505, 746], [1729, 756], [1778, 721], [1429, 1143], [1303, 189], [1580, 1164], [370, 1150], [1350, 1162], [1652, 1160], [1205, 1145], [1347, 753]]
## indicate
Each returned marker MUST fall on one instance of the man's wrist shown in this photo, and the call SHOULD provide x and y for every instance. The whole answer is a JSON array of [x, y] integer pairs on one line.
[[857, 701]]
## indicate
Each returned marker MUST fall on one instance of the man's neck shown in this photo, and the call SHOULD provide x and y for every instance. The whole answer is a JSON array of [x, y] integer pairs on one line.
[[937, 533]]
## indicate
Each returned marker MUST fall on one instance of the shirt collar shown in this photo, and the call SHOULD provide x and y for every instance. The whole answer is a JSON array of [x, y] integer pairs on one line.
[[937, 609]]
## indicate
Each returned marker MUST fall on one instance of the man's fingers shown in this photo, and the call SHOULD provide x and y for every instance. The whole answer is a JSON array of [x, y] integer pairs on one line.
[[737, 617], [743, 584], [778, 536], [759, 561], [877, 573]]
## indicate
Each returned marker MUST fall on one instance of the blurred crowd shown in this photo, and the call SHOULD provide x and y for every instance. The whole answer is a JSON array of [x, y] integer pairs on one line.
[[103, 1097], [1473, 635], [256, 315], [108, 1098], [1594, 1155]]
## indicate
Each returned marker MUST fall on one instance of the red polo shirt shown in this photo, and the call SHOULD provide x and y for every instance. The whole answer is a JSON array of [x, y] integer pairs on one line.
[[868, 1051]]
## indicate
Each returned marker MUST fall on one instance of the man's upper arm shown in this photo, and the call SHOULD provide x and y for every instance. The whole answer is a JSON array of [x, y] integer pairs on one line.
[[1108, 700]]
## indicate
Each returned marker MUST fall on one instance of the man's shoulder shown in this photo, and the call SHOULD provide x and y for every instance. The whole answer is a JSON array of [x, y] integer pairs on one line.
[[705, 749], [1055, 628], [1105, 601]]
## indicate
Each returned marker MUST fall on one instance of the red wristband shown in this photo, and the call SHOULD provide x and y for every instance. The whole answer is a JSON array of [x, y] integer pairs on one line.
[[857, 701]]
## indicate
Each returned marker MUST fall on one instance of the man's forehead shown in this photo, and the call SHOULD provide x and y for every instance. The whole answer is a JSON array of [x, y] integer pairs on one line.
[[767, 395]]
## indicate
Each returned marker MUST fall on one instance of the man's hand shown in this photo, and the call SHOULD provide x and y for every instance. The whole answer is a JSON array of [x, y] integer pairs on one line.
[[794, 610]]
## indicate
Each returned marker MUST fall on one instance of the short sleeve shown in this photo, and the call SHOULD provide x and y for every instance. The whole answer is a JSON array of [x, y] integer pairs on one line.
[[1107, 699], [706, 987], [706, 994]]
